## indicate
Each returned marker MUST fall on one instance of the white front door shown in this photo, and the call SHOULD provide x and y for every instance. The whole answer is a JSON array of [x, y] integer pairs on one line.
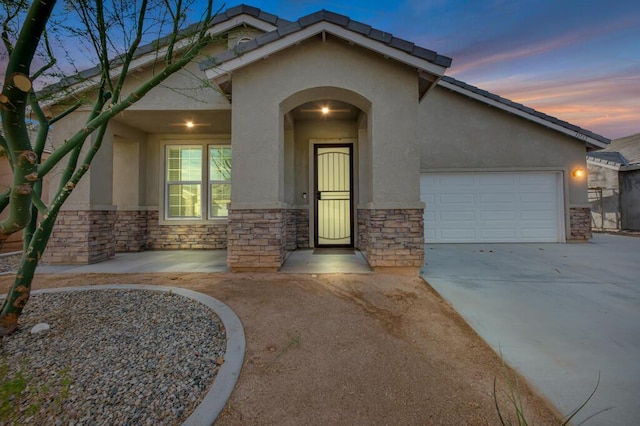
[[333, 195]]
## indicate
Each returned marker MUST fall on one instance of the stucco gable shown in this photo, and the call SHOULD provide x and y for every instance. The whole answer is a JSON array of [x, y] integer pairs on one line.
[[322, 23], [223, 22], [591, 139]]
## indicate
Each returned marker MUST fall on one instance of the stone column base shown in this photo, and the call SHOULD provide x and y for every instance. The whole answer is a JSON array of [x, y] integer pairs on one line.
[[82, 237], [256, 239], [297, 229], [393, 239], [580, 224]]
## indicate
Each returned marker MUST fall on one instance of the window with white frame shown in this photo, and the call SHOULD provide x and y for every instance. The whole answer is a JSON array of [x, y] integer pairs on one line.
[[219, 180], [188, 174]]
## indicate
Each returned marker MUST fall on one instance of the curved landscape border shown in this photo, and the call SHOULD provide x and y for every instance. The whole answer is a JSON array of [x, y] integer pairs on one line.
[[215, 399]]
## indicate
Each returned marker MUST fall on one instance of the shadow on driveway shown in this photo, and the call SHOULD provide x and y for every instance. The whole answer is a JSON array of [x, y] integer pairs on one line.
[[559, 313]]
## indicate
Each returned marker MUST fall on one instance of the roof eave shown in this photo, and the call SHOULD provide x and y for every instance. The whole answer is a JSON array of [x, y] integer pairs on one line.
[[585, 137], [612, 165], [89, 78], [270, 43]]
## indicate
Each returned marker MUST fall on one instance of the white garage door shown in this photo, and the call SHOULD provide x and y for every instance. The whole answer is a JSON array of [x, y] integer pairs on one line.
[[491, 207]]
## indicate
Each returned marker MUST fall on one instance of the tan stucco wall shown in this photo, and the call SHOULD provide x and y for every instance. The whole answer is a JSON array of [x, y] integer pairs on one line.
[[461, 134], [129, 164], [126, 182], [63, 130], [96, 189], [259, 94], [186, 89]]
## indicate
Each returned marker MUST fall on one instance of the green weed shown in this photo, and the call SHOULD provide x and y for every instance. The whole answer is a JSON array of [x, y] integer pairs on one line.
[[515, 402], [21, 398]]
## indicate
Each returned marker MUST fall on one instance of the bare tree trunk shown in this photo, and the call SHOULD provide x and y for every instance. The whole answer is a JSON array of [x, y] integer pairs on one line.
[[27, 212]]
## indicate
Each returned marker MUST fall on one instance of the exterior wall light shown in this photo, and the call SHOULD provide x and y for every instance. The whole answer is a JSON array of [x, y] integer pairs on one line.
[[578, 173]]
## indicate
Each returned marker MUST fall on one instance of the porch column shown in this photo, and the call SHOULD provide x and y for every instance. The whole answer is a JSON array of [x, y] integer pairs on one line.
[[84, 229], [257, 215], [391, 222]]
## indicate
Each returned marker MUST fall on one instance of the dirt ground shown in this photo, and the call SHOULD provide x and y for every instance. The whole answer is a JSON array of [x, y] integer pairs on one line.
[[348, 349]]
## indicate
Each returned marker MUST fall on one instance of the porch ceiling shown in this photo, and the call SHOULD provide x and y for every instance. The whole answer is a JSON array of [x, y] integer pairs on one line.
[[337, 111], [159, 122]]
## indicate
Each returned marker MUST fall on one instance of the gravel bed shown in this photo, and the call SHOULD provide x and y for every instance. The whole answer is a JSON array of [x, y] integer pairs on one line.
[[112, 357], [9, 262]]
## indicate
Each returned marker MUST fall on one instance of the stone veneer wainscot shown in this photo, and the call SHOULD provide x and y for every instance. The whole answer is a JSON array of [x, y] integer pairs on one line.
[[82, 237], [394, 239], [256, 239], [580, 223]]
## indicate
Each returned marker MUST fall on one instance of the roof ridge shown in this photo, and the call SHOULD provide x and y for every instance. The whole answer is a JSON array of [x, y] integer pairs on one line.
[[340, 20]]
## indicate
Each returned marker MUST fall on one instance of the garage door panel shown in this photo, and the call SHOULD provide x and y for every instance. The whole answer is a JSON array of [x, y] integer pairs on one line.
[[493, 179], [427, 198], [457, 235], [456, 216], [534, 234], [540, 215], [496, 215], [492, 207], [455, 198], [454, 180], [537, 197], [489, 234], [496, 197]]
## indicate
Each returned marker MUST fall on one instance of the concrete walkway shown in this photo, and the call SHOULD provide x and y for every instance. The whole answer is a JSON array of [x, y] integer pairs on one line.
[[148, 262], [559, 313], [298, 261]]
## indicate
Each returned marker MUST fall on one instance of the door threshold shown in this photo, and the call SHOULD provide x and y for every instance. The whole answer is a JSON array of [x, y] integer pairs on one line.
[[334, 250]]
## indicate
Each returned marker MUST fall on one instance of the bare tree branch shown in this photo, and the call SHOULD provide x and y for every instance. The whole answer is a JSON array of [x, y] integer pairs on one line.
[[113, 110], [10, 16], [4, 145], [65, 113], [174, 33], [52, 59], [4, 199], [131, 52]]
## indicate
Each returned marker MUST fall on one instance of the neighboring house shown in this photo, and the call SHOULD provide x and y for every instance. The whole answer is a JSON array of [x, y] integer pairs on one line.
[[614, 185], [340, 134]]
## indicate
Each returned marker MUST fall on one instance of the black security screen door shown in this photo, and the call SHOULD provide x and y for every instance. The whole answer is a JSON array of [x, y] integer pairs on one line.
[[333, 200]]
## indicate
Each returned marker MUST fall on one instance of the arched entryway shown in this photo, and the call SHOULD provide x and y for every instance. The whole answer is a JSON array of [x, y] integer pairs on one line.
[[325, 133]]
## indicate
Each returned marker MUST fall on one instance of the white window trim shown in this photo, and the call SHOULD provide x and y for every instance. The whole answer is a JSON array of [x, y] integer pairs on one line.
[[211, 182], [204, 143], [168, 183]]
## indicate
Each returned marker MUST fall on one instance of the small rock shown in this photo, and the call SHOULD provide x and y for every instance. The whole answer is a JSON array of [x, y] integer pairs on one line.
[[220, 361], [43, 326]]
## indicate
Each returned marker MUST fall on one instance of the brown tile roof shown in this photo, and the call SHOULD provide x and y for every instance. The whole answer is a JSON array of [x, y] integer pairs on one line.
[[336, 19]]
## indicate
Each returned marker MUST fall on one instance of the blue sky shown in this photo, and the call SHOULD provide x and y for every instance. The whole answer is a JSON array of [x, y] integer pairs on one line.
[[578, 60]]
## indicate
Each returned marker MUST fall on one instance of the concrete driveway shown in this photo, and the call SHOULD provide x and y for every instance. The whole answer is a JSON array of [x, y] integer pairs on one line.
[[559, 313]]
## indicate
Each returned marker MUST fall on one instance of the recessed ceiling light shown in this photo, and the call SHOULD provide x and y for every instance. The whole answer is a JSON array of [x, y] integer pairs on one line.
[[189, 124], [325, 110]]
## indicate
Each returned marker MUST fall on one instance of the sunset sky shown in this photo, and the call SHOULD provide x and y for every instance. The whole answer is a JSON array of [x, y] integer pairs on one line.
[[578, 60]]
